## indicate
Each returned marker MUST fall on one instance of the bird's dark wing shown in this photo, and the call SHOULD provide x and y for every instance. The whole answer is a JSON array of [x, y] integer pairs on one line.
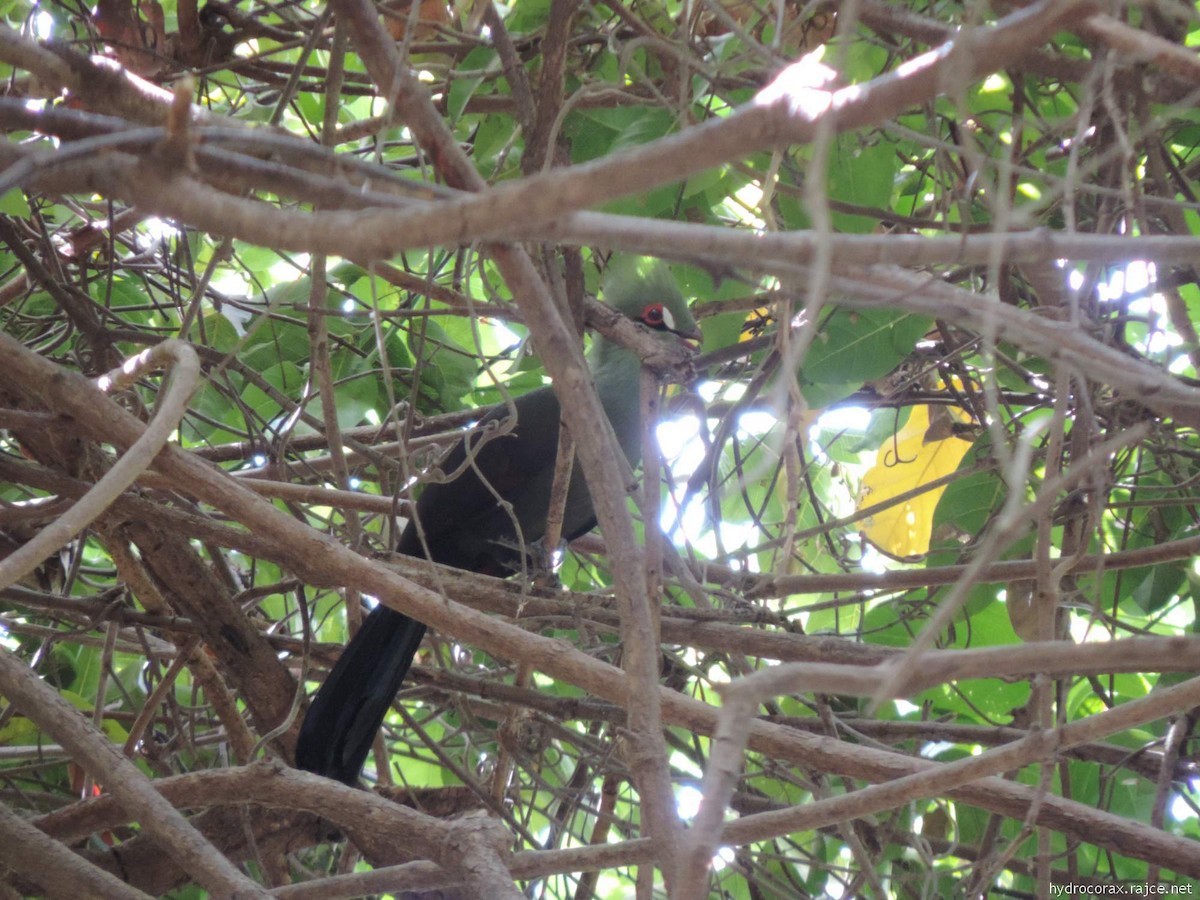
[[462, 524]]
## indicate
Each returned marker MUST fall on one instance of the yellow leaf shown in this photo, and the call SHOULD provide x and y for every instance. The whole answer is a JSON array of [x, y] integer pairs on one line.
[[918, 455], [756, 323]]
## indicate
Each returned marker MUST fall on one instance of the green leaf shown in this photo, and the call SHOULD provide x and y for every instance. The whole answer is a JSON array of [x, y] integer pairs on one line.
[[493, 135], [220, 332], [14, 204], [853, 347], [447, 367], [1156, 585], [285, 377], [964, 510], [462, 89], [527, 15], [863, 175]]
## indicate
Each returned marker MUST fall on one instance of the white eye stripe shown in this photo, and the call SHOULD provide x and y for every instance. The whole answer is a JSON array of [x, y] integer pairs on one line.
[[667, 318]]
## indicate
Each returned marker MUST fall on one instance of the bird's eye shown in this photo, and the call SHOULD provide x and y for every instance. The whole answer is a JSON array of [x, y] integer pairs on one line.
[[657, 317]]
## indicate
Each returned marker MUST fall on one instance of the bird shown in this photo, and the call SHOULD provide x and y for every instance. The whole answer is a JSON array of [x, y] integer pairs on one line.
[[470, 522]]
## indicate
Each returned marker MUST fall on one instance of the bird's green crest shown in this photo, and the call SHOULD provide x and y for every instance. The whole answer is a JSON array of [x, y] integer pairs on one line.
[[630, 284]]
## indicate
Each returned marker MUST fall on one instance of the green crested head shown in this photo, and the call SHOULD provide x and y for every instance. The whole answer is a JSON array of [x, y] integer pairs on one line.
[[645, 291]]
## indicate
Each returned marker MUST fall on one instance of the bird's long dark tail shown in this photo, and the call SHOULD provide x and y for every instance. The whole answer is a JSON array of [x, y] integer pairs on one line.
[[347, 711]]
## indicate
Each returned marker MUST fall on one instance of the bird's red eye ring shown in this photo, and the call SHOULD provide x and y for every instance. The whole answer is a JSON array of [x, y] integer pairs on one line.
[[652, 315]]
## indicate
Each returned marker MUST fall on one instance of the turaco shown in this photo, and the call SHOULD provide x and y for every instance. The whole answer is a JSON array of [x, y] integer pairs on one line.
[[463, 525]]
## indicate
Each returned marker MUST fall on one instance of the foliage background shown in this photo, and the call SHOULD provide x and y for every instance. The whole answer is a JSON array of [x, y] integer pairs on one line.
[[947, 400]]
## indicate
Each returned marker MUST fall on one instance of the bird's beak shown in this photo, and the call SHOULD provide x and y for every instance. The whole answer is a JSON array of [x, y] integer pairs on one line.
[[691, 339]]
